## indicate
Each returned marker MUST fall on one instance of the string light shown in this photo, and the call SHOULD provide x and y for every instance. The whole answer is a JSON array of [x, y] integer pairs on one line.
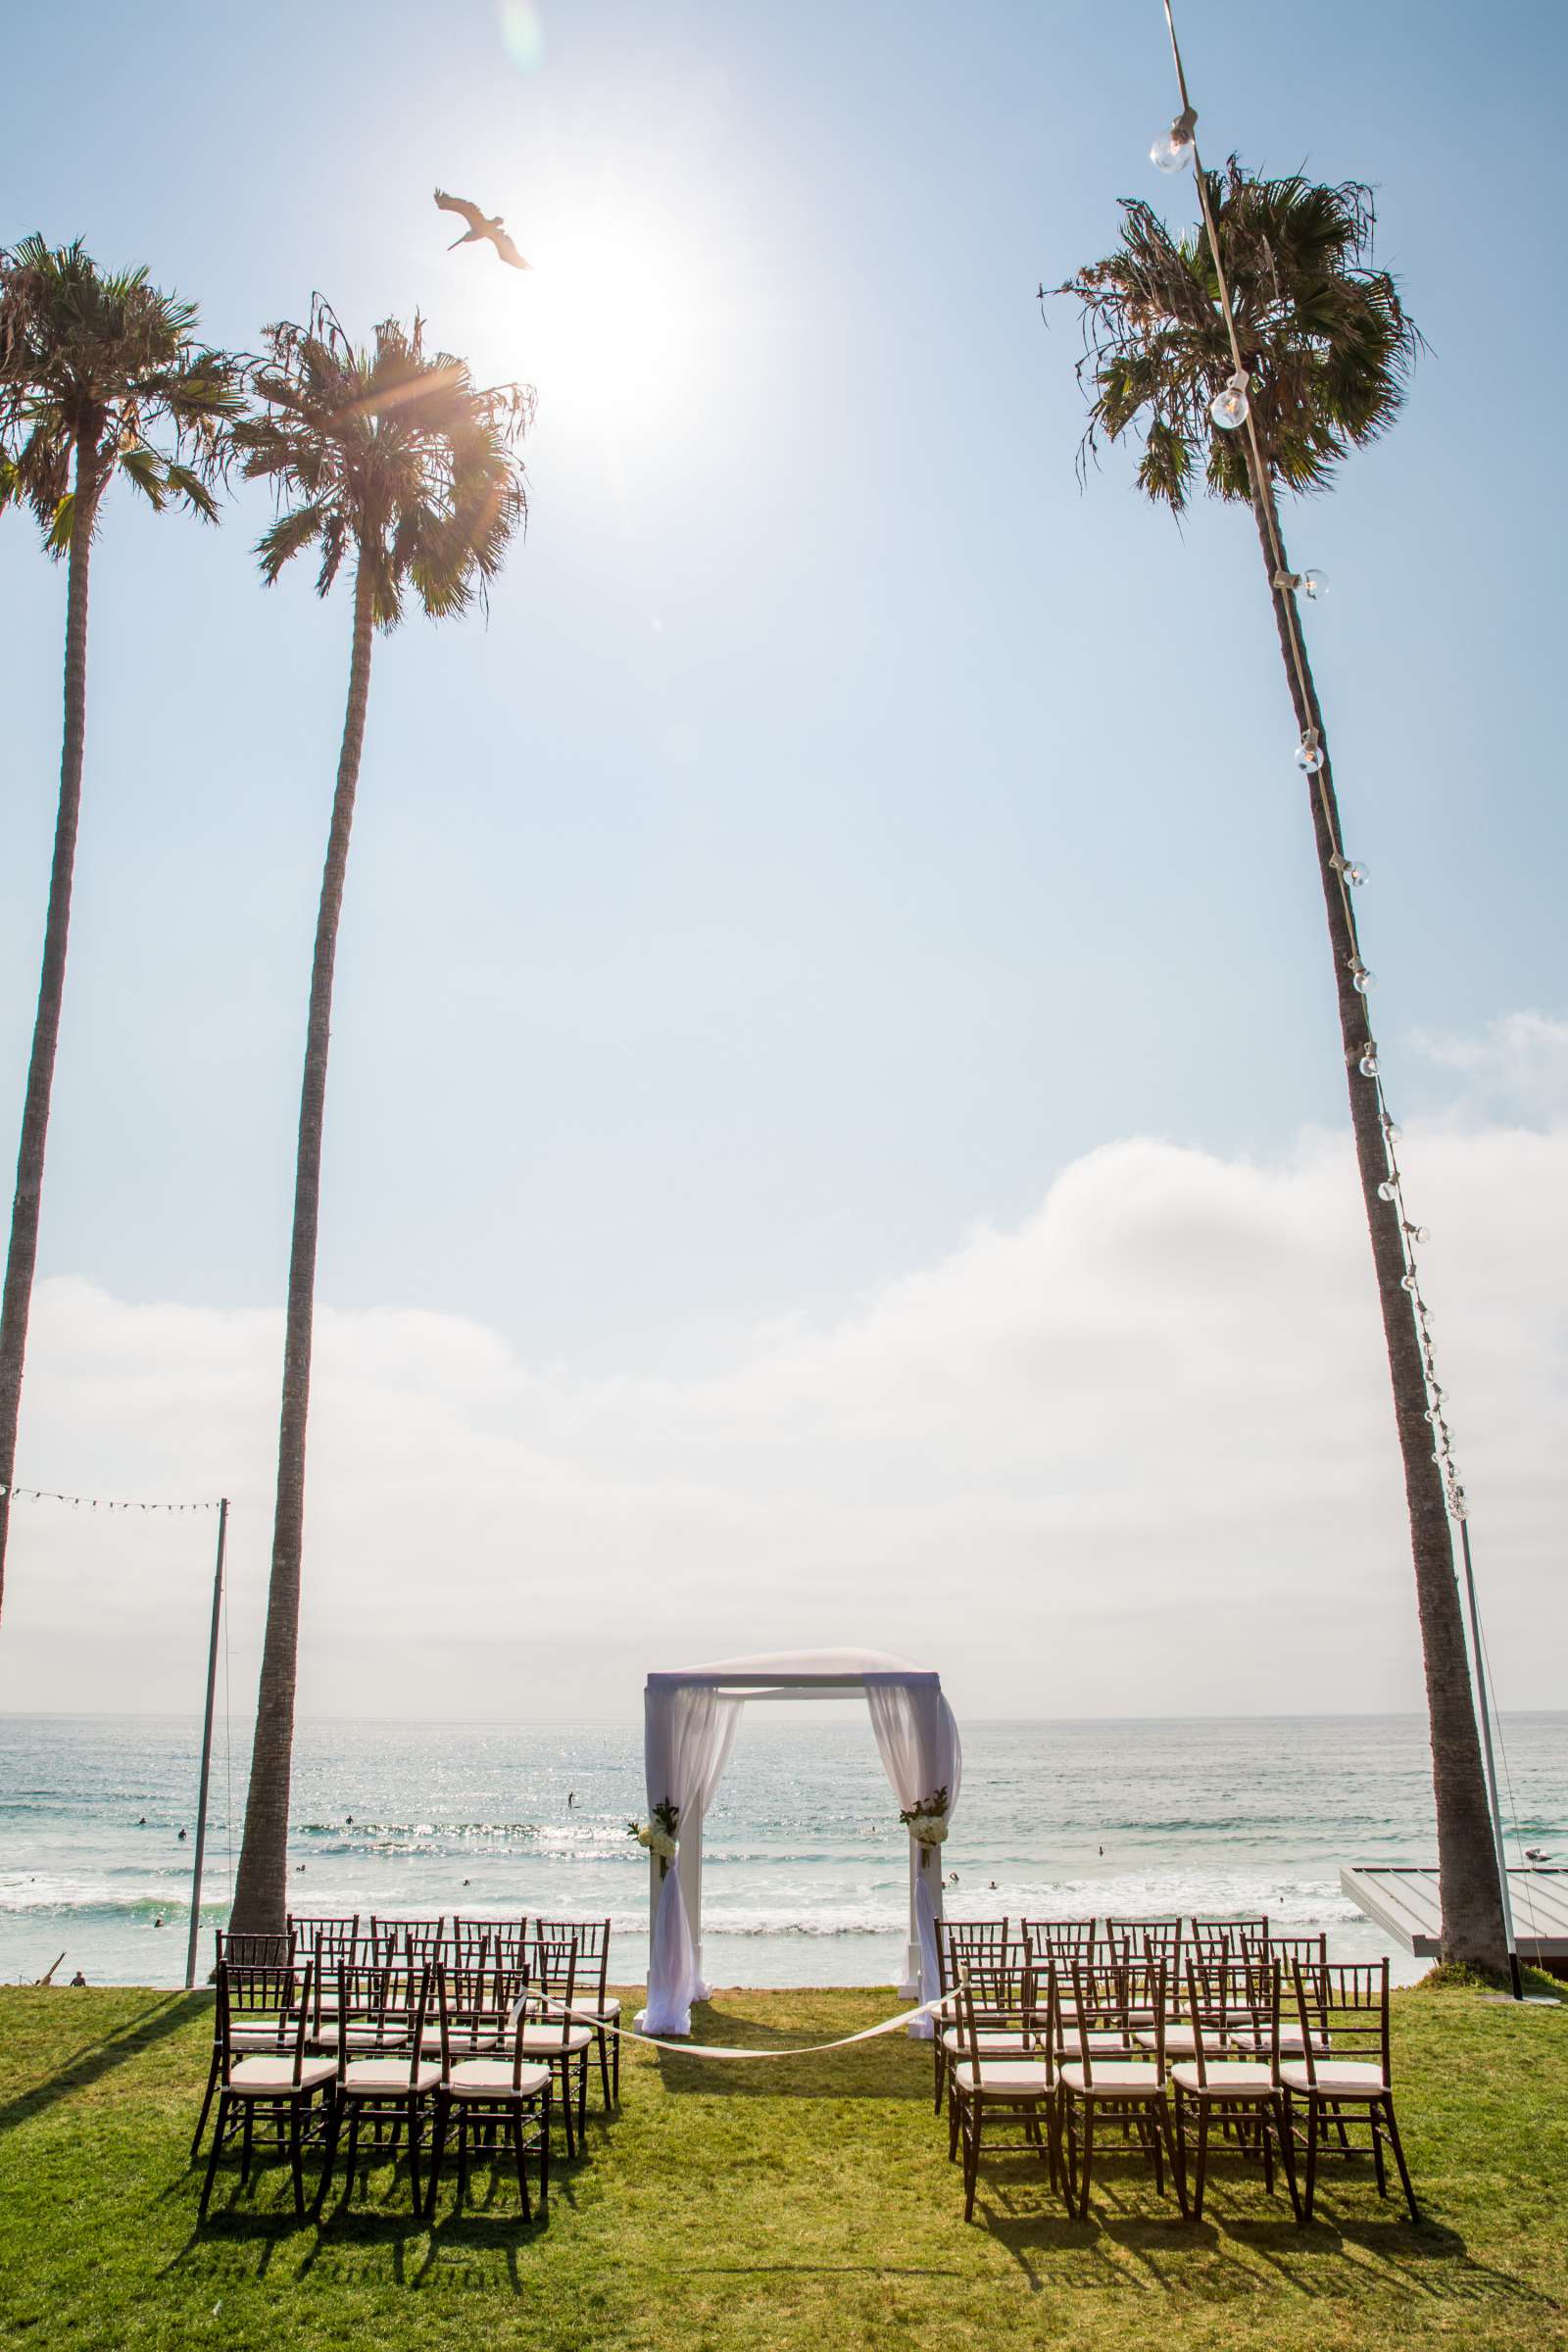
[[1312, 584], [1232, 411], [1231, 408], [99, 1502], [1173, 150]]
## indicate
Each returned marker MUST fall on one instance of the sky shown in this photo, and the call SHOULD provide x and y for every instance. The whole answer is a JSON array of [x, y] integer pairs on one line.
[[835, 1128]]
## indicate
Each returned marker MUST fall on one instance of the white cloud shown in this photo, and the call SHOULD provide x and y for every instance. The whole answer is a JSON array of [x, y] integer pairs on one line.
[[1135, 1455]]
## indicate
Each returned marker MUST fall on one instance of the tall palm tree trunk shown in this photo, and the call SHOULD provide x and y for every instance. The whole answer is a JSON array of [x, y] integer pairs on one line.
[[261, 1892], [1467, 1854], [23, 1253]]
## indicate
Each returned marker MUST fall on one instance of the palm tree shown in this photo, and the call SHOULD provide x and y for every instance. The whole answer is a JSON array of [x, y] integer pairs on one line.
[[1328, 347], [392, 461], [100, 376]]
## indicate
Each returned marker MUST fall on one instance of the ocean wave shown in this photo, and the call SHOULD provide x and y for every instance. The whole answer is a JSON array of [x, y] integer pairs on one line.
[[76, 1900]]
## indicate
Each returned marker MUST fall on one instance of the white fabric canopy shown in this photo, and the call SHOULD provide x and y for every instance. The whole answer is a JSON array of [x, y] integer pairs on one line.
[[690, 1721]]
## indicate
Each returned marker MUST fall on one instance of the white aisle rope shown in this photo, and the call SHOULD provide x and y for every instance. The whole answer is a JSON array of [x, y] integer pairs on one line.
[[714, 2050]]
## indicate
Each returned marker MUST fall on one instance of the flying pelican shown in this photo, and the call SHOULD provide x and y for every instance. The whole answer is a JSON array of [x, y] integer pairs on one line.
[[480, 226]]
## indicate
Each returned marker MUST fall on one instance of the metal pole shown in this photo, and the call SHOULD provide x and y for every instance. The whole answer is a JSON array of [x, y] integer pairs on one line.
[[1514, 1978], [206, 1749]]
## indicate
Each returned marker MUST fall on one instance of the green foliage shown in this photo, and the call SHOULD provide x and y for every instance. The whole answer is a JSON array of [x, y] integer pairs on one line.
[[1325, 337], [801, 2206], [391, 455], [100, 369]]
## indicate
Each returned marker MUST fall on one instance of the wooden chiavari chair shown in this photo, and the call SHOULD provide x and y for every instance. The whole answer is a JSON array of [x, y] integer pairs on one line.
[[253, 1961], [1226, 1997], [408, 1938], [1311, 1952], [1214, 1939], [1116, 2077], [329, 1940], [506, 1940], [506, 2091], [551, 2033], [593, 2003], [1351, 2084], [1012, 2089], [959, 1940], [274, 2083], [383, 2074]]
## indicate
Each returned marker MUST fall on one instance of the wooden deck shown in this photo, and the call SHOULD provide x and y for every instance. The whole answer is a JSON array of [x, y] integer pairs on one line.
[[1403, 1899]]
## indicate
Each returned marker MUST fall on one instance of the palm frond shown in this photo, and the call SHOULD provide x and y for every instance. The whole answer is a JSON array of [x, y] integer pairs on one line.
[[408, 464], [1326, 339], [101, 372]]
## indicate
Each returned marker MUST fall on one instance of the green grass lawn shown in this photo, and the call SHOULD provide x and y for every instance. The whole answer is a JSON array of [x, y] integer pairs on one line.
[[802, 2204]]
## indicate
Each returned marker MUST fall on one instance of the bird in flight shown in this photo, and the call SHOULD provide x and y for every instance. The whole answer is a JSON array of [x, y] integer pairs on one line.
[[480, 227]]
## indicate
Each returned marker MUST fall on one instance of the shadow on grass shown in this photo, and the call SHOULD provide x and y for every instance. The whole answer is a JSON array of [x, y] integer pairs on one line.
[[889, 2069], [99, 2058], [374, 2214], [1341, 2256], [481, 2246]]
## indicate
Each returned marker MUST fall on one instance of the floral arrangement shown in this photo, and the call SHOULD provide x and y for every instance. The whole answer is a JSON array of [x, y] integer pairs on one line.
[[927, 1822], [658, 1835]]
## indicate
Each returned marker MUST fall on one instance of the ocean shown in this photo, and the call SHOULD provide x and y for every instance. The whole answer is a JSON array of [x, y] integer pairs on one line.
[[805, 1880]]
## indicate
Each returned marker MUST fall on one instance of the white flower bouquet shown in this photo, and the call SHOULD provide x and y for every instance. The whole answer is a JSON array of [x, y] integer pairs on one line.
[[660, 1835], [927, 1822]]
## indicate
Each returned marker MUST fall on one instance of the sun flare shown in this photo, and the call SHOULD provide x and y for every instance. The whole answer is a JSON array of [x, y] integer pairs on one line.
[[614, 321]]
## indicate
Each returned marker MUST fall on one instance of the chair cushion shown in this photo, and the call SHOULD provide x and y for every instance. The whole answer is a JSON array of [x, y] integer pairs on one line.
[[1180, 2040], [1019, 2080], [388, 2077], [1292, 2040], [1340, 2078], [989, 2038], [538, 2039], [1232, 2079], [1127, 2079], [491, 2079], [255, 2077]]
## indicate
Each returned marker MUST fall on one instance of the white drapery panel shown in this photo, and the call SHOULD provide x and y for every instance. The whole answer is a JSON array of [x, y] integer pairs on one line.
[[917, 1739], [688, 1734]]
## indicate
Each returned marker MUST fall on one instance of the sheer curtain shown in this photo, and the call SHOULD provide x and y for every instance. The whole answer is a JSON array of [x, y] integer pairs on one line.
[[917, 1738], [688, 1735]]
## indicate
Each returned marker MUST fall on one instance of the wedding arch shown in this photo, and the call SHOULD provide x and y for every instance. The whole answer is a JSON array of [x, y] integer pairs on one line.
[[690, 1721]]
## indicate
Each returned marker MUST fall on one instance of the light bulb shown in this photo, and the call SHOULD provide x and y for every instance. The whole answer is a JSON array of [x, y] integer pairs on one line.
[[1309, 752], [1440, 1454], [1408, 1282], [1313, 584], [1362, 980], [1172, 151], [1391, 1129], [1368, 1065], [1229, 409], [1419, 1233], [1440, 1395], [1355, 876], [1388, 1189]]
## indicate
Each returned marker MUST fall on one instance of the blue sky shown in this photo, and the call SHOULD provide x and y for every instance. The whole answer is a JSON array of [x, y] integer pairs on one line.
[[845, 822]]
